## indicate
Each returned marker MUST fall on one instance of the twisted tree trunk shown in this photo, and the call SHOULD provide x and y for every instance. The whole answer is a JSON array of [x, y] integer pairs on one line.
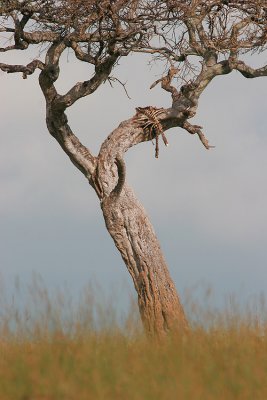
[[134, 236], [132, 233], [127, 223], [125, 218]]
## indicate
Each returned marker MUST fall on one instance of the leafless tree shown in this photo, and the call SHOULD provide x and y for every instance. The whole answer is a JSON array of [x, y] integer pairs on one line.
[[196, 40]]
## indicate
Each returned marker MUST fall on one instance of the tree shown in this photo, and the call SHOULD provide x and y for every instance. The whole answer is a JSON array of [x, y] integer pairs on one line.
[[195, 41]]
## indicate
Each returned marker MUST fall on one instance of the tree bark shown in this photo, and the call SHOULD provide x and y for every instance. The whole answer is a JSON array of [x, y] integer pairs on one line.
[[134, 237]]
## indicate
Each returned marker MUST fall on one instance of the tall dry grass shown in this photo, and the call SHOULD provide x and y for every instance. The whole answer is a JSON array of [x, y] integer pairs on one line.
[[52, 349]]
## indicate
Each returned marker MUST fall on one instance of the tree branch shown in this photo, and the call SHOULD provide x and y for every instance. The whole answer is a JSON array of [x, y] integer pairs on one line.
[[81, 55], [37, 37], [194, 43], [51, 71], [196, 129], [249, 72], [79, 154], [25, 69], [164, 51], [56, 119], [82, 89], [166, 83]]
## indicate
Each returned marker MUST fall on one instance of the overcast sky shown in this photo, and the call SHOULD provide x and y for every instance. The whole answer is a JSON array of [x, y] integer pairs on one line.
[[209, 208]]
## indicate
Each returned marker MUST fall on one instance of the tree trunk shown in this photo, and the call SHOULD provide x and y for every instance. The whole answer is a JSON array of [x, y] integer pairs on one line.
[[134, 237]]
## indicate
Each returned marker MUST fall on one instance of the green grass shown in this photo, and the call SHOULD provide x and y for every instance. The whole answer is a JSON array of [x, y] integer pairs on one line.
[[52, 351]]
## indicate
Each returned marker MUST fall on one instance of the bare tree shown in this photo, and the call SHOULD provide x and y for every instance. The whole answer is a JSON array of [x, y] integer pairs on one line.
[[196, 41]]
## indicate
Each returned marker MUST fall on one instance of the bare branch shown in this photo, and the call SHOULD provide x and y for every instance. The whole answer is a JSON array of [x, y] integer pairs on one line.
[[26, 70], [166, 83], [165, 52], [82, 89], [196, 129], [195, 44], [249, 72], [114, 79], [37, 37], [81, 55]]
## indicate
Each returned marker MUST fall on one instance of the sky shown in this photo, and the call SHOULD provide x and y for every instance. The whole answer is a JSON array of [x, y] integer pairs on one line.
[[208, 207]]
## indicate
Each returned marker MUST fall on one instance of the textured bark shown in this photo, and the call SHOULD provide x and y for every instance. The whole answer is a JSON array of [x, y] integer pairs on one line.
[[134, 237]]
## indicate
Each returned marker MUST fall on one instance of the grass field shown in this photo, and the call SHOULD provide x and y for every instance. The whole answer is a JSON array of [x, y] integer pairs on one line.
[[52, 351]]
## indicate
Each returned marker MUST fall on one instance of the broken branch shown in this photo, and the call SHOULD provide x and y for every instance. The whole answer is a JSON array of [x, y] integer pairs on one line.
[[196, 129]]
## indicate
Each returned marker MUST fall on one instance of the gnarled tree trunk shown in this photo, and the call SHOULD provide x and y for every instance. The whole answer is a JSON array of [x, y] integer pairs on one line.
[[127, 222], [135, 238]]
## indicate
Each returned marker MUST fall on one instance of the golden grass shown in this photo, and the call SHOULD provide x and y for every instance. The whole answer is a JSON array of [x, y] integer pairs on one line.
[[50, 352]]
